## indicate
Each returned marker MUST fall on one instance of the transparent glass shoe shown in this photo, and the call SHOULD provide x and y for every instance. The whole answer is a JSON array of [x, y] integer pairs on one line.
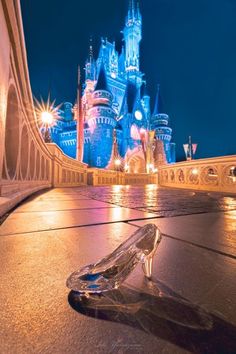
[[110, 272]]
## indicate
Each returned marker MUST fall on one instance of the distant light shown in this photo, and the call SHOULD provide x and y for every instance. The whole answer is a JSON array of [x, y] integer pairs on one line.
[[113, 75], [138, 115], [47, 118], [117, 162]]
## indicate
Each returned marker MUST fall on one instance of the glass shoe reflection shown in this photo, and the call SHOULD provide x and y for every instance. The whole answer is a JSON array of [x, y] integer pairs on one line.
[[110, 272]]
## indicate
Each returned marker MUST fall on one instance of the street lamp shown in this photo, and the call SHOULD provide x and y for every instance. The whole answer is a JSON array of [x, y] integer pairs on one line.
[[47, 118], [46, 114], [47, 121]]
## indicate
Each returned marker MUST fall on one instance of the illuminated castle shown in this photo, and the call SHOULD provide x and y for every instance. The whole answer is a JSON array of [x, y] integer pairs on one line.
[[115, 106]]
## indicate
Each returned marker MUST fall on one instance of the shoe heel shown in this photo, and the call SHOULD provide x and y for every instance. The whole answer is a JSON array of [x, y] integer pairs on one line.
[[147, 267]]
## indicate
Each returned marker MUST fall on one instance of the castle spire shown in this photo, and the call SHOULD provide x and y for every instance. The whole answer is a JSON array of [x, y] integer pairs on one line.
[[131, 10], [138, 12], [90, 70], [157, 102]]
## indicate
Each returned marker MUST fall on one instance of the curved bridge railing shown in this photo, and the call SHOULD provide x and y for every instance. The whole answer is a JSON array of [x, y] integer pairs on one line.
[[27, 164], [213, 174]]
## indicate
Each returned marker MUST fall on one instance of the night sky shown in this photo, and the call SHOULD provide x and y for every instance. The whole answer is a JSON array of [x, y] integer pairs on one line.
[[188, 46]]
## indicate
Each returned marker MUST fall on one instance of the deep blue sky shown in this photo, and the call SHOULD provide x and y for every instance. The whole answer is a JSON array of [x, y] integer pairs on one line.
[[188, 46]]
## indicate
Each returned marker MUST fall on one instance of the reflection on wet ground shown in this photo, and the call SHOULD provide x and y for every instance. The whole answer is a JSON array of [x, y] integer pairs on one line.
[[164, 314], [161, 201]]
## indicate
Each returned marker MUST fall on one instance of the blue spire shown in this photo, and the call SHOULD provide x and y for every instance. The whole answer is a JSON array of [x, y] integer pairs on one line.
[[133, 11], [90, 69], [158, 104], [102, 80], [131, 8], [144, 90], [138, 12]]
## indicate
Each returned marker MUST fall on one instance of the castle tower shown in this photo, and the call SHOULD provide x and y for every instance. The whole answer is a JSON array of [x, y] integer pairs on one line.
[[101, 121], [132, 37], [160, 123]]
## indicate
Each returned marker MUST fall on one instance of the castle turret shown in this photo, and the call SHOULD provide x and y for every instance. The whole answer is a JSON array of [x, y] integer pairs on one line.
[[160, 123], [68, 111], [101, 121], [132, 36]]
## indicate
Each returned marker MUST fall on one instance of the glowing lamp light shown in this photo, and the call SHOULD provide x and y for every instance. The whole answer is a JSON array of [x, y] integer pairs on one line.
[[47, 118], [117, 162], [195, 171]]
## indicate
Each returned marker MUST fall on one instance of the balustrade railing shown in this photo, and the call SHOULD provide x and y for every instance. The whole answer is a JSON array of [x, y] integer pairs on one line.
[[65, 170], [98, 177], [213, 174]]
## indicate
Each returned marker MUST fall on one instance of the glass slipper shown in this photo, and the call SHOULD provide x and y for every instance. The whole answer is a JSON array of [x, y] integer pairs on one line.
[[110, 272]]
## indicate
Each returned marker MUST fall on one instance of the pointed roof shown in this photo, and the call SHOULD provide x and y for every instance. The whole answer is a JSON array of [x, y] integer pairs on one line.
[[158, 108], [102, 80]]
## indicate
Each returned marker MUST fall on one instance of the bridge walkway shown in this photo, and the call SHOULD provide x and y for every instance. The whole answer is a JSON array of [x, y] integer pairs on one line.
[[189, 306]]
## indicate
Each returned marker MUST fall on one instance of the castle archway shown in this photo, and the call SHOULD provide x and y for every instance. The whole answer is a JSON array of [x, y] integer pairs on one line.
[[136, 161]]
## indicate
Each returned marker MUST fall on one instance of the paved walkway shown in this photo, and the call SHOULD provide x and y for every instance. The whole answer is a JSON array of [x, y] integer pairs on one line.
[[189, 306]]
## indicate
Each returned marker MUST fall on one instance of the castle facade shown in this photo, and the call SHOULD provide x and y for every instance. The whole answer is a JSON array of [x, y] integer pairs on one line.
[[115, 117]]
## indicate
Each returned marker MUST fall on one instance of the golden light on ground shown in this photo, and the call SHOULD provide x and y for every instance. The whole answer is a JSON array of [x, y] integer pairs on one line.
[[116, 188]]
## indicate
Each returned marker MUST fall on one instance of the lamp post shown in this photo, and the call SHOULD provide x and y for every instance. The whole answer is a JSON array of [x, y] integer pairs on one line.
[[47, 121], [46, 115]]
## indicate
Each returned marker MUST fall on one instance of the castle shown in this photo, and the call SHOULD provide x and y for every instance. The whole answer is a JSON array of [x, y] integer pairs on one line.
[[113, 114]]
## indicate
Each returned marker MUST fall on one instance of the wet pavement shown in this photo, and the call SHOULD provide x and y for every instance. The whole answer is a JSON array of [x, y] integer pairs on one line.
[[162, 202], [188, 307]]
